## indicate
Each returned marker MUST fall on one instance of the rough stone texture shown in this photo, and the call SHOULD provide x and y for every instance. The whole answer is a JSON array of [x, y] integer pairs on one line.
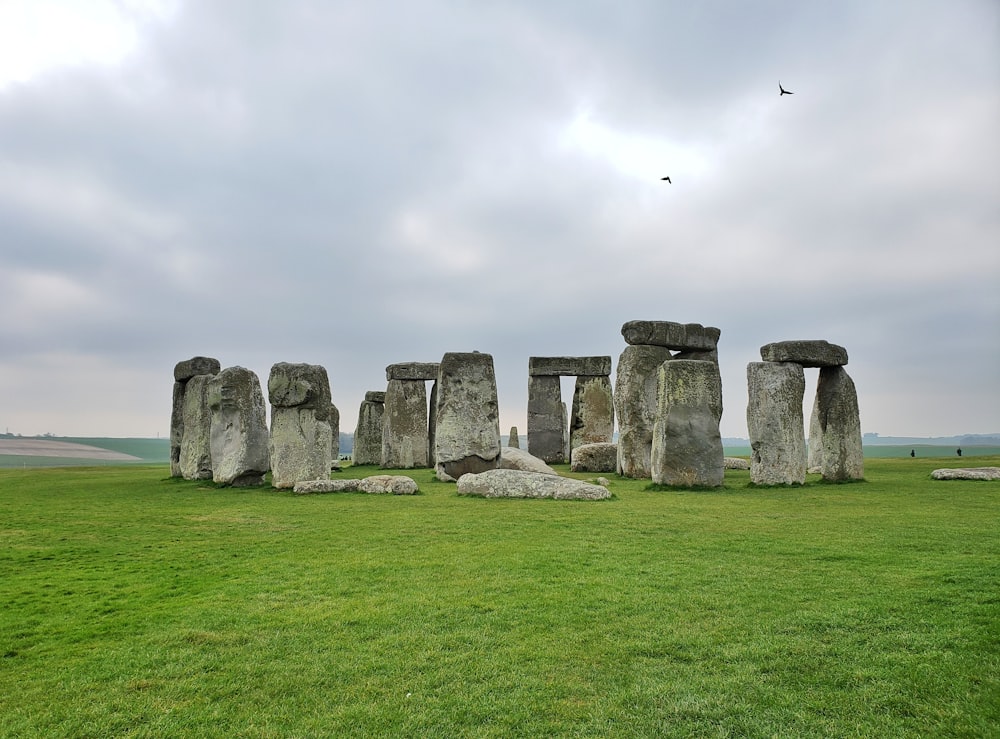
[[467, 434], [677, 336], [334, 435], [312, 487], [814, 446], [568, 366], [368, 432], [546, 419], [712, 356], [184, 371], [196, 444], [600, 457], [512, 458], [736, 463], [518, 484], [774, 421], [412, 371], [808, 353], [840, 423], [432, 411], [388, 484], [301, 437], [512, 438], [404, 425], [239, 440], [687, 445], [967, 473], [593, 417], [635, 406]]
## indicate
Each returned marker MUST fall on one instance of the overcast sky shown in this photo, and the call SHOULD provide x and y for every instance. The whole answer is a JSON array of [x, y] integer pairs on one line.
[[358, 184]]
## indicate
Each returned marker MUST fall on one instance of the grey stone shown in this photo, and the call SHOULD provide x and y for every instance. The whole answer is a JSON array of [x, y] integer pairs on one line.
[[840, 423], [239, 438], [774, 421], [432, 410], [967, 473], [568, 366], [512, 438], [593, 415], [196, 444], [687, 445], [388, 484], [808, 353], [412, 371], [368, 432], [512, 458], [635, 406], [519, 484], [677, 336], [301, 438], [404, 425], [599, 457], [467, 433], [736, 463], [546, 419], [312, 487], [814, 447], [184, 371], [334, 435]]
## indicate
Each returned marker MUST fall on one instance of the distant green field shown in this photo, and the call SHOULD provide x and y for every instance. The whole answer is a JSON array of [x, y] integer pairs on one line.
[[149, 451], [138, 605]]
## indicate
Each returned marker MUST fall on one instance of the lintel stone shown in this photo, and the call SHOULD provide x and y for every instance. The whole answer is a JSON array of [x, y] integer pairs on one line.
[[413, 371], [808, 353], [375, 396], [569, 366], [685, 337]]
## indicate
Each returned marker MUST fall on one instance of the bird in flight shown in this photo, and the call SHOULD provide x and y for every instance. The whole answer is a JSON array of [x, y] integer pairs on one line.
[[667, 179], [783, 90]]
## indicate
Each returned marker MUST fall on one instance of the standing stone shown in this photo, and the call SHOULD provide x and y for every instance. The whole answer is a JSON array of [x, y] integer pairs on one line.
[[432, 423], [774, 421], [840, 426], [404, 425], [334, 433], [368, 432], [239, 437], [593, 418], [183, 372], [467, 436], [512, 438], [196, 452], [814, 458], [635, 406], [546, 419], [301, 437], [687, 445]]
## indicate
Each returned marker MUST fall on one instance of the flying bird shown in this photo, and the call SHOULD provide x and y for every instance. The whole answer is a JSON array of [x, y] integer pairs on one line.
[[667, 179], [783, 90]]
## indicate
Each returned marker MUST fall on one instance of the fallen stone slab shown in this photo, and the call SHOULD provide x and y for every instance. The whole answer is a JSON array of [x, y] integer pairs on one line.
[[967, 473], [735, 463], [685, 337], [808, 353], [311, 487], [520, 484], [597, 457], [514, 458], [569, 366], [385, 484]]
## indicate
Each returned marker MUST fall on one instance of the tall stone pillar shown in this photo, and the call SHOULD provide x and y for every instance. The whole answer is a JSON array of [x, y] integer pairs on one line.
[[546, 419], [840, 423], [635, 407], [774, 421], [239, 436], [593, 416], [301, 438], [368, 432], [183, 372], [467, 435], [404, 425]]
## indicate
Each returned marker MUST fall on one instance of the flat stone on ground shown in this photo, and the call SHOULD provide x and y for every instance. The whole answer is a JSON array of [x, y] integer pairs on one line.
[[967, 473], [518, 484]]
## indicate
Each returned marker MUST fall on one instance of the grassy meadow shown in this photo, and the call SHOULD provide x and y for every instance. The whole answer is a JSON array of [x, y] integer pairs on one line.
[[142, 606]]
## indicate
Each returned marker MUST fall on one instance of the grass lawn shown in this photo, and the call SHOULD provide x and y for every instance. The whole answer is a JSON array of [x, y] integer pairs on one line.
[[143, 606]]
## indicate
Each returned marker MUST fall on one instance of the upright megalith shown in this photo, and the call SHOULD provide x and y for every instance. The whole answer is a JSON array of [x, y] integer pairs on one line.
[[635, 406], [814, 446], [592, 420], [687, 446], [467, 433], [513, 440], [368, 432], [840, 426], [301, 437], [546, 419], [239, 436], [404, 425], [196, 452], [334, 433], [183, 372], [774, 420]]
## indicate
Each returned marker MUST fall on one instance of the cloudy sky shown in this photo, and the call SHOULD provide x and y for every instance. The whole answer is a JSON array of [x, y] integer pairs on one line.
[[357, 184]]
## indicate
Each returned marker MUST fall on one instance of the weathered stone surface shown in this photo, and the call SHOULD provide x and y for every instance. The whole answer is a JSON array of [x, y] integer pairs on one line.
[[635, 406], [687, 445], [814, 446], [736, 463], [808, 353], [239, 439], [546, 419], [368, 432], [840, 423], [593, 416], [432, 410], [467, 435], [568, 366], [967, 473], [301, 438], [388, 484], [404, 425], [518, 484], [312, 487], [176, 428], [774, 421], [412, 371], [196, 453], [599, 457], [512, 438], [712, 356], [677, 336], [184, 371], [512, 458], [334, 435]]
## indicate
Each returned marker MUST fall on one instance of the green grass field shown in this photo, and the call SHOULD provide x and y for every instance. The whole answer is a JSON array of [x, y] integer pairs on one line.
[[136, 605]]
